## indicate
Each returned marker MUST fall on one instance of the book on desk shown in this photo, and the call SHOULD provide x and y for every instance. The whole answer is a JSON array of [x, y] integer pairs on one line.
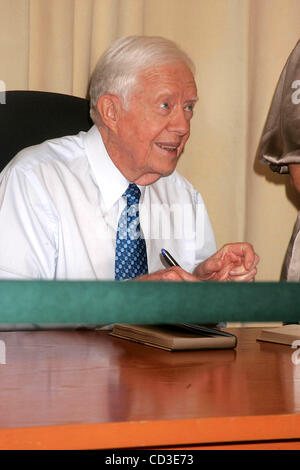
[[285, 334], [176, 337]]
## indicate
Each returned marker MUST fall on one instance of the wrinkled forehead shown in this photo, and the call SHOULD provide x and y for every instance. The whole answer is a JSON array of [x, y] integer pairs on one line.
[[175, 77]]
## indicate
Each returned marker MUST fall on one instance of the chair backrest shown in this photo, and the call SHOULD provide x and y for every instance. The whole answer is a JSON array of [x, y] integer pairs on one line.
[[30, 117]]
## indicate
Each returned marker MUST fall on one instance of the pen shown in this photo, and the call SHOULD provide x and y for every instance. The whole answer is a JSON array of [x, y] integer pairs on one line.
[[169, 259]]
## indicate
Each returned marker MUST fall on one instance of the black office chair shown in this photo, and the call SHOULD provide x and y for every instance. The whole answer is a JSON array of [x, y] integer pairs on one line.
[[30, 117]]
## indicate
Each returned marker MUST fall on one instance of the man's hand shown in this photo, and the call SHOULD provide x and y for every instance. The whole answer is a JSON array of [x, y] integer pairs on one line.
[[170, 274], [233, 262]]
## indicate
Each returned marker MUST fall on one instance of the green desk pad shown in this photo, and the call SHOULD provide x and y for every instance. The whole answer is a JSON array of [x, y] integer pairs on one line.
[[147, 302]]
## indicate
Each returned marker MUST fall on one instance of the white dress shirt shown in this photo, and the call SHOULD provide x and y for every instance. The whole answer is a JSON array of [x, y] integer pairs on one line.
[[60, 203]]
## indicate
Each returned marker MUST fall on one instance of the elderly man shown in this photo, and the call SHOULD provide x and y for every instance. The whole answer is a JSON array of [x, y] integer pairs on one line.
[[102, 204]]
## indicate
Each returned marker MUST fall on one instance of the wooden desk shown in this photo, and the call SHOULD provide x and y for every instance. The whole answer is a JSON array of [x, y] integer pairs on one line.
[[88, 390]]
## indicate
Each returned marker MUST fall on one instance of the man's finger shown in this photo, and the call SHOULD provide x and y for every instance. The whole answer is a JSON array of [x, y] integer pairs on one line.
[[250, 257], [244, 252], [249, 276], [212, 265]]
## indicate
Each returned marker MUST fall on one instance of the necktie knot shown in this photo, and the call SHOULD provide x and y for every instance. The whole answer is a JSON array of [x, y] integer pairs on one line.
[[132, 194]]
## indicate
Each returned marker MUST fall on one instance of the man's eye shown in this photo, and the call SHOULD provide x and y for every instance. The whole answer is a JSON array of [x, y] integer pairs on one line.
[[164, 105], [190, 107]]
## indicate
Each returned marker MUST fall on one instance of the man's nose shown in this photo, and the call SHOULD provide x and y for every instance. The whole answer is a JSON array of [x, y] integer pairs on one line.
[[179, 123]]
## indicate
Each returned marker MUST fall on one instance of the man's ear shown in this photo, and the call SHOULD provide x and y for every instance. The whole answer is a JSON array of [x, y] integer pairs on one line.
[[109, 107]]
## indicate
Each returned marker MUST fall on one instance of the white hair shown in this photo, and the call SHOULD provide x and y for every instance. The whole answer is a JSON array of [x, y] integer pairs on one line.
[[117, 69]]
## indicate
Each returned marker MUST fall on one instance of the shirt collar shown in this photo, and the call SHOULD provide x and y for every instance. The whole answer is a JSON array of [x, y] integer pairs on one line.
[[111, 182]]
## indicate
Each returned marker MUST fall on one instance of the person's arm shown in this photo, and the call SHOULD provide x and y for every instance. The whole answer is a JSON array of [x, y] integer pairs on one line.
[[27, 227], [294, 170], [233, 262]]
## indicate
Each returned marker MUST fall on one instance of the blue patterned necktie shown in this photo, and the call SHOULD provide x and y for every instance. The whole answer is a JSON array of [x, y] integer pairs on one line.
[[131, 255]]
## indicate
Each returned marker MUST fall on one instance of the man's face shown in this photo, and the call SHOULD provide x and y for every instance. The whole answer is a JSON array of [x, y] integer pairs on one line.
[[152, 133]]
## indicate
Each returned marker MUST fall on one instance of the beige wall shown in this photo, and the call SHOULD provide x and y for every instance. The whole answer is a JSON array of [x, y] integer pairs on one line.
[[239, 47]]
